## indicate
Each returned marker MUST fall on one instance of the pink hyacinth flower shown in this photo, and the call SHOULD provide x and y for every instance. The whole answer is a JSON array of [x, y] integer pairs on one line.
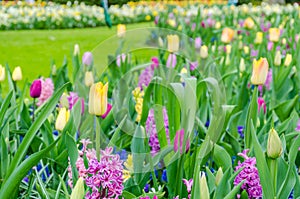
[[261, 104], [47, 91]]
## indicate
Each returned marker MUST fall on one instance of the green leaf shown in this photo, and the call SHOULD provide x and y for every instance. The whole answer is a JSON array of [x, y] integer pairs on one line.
[[128, 195], [251, 116], [224, 187], [13, 180], [222, 158], [284, 109], [73, 154], [45, 112], [263, 170], [4, 106], [232, 194]]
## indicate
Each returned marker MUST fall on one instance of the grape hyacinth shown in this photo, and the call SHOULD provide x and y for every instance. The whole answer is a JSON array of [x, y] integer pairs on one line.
[[47, 91], [249, 173], [152, 132]]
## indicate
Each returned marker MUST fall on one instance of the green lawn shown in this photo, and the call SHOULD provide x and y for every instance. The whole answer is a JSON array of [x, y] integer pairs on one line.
[[34, 50]]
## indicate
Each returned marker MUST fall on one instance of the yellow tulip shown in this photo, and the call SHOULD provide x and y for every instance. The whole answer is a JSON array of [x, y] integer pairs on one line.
[[242, 65], [98, 99], [246, 49], [173, 43], [62, 119], [218, 25], [274, 34], [288, 60], [17, 74], [260, 71], [203, 52], [121, 30], [277, 60], [88, 78], [227, 35], [274, 145], [2, 73], [259, 38], [249, 23]]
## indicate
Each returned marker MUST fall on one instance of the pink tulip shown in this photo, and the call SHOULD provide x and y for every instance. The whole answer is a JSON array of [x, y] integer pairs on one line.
[[179, 138], [172, 60], [109, 106]]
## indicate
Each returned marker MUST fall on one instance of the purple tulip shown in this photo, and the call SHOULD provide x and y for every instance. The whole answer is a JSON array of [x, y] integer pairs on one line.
[[198, 42], [179, 138], [109, 107], [193, 65], [36, 88], [172, 60], [87, 58], [270, 45]]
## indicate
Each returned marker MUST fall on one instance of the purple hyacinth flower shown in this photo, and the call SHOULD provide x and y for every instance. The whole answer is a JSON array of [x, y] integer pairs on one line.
[[240, 130], [298, 126], [249, 173]]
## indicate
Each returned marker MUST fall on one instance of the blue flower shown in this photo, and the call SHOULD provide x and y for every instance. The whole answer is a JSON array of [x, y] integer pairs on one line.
[[241, 131], [146, 188], [164, 176]]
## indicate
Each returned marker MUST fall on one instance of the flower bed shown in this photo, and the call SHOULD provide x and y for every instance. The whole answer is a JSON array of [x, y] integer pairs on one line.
[[213, 114]]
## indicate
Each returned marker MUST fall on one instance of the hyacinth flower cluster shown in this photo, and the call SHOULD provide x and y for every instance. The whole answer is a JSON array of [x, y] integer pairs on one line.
[[47, 91], [152, 131], [103, 178], [249, 173]]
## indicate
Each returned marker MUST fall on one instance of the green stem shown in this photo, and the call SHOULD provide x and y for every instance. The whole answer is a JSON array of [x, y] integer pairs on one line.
[[273, 169], [33, 109], [97, 132]]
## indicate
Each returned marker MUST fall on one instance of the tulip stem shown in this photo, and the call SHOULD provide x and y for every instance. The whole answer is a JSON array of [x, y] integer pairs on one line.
[[33, 109], [97, 132], [273, 169]]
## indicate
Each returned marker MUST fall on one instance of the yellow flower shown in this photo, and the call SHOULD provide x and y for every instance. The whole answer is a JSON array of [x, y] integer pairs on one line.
[[138, 97], [288, 60], [274, 148], [62, 119], [126, 175], [173, 43], [227, 35], [121, 30], [218, 25], [154, 13], [148, 18], [160, 42], [128, 163], [98, 99], [88, 78], [228, 49], [277, 59], [249, 23], [78, 191], [2, 73], [17, 74], [204, 52], [246, 49], [260, 71], [242, 65], [274, 34], [259, 38], [172, 22]]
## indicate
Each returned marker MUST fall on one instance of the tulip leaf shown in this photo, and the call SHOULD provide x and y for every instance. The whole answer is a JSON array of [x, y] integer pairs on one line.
[[73, 154], [45, 112], [224, 187], [263, 170], [221, 157], [284, 109], [251, 116], [4, 106], [128, 195], [13, 180], [233, 193]]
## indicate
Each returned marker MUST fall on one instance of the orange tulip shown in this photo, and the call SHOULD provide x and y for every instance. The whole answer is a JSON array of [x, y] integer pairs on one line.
[[249, 23], [227, 35], [260, 71]]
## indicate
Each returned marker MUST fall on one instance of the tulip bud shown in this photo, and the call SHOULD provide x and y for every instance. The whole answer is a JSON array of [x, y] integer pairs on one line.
[[2, 73], [203, 52], [259, 38], [173, 43], [227, 60], [260, 71], [88, 78], [87, 58], [121, 30], [78, 191], [283, 41], [62, 119], [246, 50], [274, 148], [228, 49], [36, 88], [76, 50], [204, 192], [288, 60], [53, 70], [183, 71], [218, 25], [198, 42], [160, 42], [17, 74], [242, 65], [219, 176], [277, 60], [64, 102], [98, 99]]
